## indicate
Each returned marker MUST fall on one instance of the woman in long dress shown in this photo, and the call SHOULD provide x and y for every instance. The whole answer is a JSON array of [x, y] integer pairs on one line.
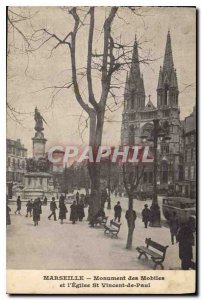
[[62, 211], [36, 212]]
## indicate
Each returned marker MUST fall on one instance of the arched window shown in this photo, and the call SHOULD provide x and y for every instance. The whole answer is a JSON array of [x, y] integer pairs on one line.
[[166, 94], [164, 170], [131, 135]]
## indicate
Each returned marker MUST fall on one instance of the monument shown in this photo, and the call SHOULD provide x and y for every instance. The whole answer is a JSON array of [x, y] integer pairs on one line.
[[38, 180]]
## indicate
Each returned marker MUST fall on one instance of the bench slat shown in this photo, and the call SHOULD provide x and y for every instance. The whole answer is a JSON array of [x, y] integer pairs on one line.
[[111, 229], [150, 252], [155, 245]]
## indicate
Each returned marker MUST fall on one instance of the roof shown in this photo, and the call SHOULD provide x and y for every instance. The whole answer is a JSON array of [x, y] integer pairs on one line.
[[150, 105], [189, 123], [16, 144]]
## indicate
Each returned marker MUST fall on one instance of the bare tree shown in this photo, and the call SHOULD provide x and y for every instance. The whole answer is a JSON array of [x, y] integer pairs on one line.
[[131, 179], [18, 18], [115, 56]]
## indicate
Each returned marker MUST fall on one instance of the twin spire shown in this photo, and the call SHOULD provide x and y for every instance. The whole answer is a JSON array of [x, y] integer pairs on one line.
[[167, 74], [134, 88], [168, 56]]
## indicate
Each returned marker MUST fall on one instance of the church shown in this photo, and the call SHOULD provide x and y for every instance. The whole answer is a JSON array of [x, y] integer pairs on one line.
[[138, 117]]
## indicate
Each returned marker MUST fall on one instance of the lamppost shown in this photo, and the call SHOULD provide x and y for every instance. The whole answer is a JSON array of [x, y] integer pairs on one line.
[[109, 184], [158, 132]]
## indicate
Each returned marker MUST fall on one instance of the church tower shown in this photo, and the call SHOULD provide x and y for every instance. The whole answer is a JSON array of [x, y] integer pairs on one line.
[[134, 98], [168, 109], [167, 89], [134, 89]]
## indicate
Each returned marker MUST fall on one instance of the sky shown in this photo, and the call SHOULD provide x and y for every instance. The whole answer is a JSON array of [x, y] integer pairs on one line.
[[29, 76]]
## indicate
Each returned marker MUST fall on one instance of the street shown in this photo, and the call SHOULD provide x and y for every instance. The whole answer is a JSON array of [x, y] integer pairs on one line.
[[54, 246]]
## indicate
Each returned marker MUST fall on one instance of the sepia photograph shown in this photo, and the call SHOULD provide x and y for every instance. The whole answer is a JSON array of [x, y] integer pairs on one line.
[[101, 147]]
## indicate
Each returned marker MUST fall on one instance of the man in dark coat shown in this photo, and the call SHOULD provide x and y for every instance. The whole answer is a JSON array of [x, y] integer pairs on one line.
[[80, 209], [186, 241], [104, 197], [18, 206], [146, 215], [62, 211], [77, 198], [74, 212], [100, 214], [29, 206], [127, 216], [8, 218], [173, 224], [53, 208], [45, 201], [40, 207], [117, 211], [36, 212]]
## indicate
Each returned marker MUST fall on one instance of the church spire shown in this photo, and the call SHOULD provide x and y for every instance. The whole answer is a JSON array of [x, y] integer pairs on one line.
[[134, 89], [135, 65], [167, 88], [168, 56]]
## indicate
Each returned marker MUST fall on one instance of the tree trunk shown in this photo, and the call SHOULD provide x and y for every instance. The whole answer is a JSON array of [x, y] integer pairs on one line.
[[131, 223], [95, 140]]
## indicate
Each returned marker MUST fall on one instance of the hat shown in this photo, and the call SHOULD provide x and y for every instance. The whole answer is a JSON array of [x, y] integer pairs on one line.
[[146, 205]]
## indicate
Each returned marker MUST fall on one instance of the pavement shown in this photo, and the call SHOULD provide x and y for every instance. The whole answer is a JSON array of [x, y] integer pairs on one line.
[[52, 245]]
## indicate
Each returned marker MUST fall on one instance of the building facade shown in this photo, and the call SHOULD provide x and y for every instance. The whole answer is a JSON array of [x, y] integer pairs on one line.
[[189, 139], [138, 116], [16, 164]]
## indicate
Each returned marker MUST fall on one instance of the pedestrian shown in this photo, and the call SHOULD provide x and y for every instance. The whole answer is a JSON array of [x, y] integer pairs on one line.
[[80, 210], [117, 212], [104, 197], [36, 212], [18, 206], [186, 241], [45, 201], [53, 208], [74, 213], [40, 207], [29, 206], [62, 211], [77, 198], [134, 217], [8, 218], [174, 225], [99, 216], [61, 199], [146, 215]]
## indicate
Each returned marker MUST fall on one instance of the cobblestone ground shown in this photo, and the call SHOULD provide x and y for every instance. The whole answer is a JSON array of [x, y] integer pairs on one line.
[[55, 246]]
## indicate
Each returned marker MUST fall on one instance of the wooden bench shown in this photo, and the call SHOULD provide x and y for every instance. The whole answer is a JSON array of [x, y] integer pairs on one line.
[[101, 221], [157, 257], [112, 229]]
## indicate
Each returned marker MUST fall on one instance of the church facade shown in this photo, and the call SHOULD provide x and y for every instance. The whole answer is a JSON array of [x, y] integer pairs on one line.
[[138, 116]]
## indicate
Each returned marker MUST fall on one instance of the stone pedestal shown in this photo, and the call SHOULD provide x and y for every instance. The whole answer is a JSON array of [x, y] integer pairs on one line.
[[37, 184], [39, 143]]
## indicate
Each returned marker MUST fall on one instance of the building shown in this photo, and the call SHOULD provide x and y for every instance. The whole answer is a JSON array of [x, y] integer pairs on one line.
[[189, 139], [138, 116], [16, 164]]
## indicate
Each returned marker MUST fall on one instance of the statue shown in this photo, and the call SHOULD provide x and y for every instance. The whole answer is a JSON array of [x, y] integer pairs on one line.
[[40, 165], [39, 120]]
